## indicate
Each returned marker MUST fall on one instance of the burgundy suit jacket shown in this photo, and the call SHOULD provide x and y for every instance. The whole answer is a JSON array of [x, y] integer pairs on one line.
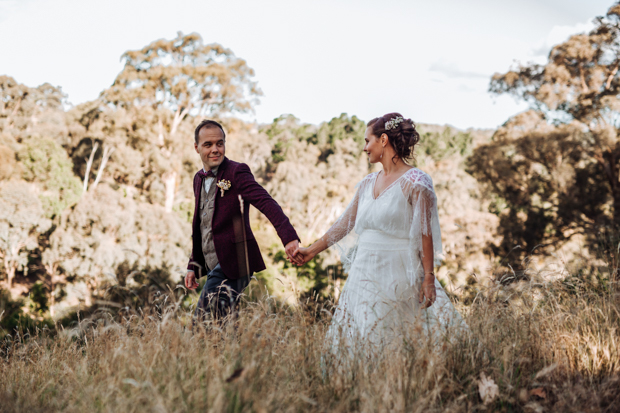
[[226, 224]]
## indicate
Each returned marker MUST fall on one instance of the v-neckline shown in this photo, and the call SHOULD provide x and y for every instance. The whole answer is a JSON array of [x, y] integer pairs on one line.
[[372, 194]]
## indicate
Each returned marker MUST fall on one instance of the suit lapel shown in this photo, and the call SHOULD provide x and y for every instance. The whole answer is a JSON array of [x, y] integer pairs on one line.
[[221, 169], [218, 178]]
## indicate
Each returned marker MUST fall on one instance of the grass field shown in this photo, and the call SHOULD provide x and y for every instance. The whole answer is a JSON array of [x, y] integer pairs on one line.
[[547, 347]]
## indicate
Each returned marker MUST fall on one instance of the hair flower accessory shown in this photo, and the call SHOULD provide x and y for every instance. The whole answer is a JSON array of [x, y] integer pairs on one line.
[[224, 185], [393, 123]]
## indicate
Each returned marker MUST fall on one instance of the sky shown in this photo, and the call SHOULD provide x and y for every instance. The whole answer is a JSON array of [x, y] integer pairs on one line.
[[429, 60]]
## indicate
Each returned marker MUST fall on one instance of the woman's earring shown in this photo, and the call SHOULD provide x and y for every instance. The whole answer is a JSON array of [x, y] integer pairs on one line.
[[382, 150]]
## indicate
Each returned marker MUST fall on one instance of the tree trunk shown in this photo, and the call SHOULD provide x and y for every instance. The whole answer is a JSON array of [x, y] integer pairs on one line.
[[51, 270], [160, 137], [612, 175], [107, 152], [89, 164], [170, 179], [616, 196], [10, 274], [178, 117]]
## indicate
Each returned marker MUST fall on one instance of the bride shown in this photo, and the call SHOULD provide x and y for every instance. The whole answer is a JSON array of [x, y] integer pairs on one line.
[[389, 241]]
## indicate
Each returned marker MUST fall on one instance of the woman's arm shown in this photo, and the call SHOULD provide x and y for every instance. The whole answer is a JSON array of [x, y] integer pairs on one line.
[[423, 202], [343, 226], [427, 290]]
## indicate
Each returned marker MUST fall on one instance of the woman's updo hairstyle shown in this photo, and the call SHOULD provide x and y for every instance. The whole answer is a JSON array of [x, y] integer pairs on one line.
[[401, 133]]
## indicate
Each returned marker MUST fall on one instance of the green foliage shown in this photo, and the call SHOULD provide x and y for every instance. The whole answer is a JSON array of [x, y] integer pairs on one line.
[[446, 143], [107, 228], [282, 133], [316, 277], [7, 162], [22, 220], [557, 165], [543, 183], [10, 312], [140, 286], [341, 129], [185, 211], [12, 316], [184, 75], [38, 299], [46, 162]]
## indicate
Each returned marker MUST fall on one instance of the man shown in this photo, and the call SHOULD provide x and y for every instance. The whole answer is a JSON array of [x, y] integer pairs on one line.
[[223, 246]]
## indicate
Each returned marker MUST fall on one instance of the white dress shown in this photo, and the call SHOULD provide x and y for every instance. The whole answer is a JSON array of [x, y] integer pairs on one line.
[[380, 242]]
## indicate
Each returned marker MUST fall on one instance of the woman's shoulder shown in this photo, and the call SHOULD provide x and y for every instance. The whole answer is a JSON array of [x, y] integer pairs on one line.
[[417, 177], [371, 176], [368, 178]]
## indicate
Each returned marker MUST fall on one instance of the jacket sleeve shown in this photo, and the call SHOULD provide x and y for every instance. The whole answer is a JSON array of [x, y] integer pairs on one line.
[[190, 265], [255, 194]]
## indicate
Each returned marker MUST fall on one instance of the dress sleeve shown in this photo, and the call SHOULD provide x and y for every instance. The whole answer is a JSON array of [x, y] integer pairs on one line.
[[420, 194], [345, 224], [341, 236]]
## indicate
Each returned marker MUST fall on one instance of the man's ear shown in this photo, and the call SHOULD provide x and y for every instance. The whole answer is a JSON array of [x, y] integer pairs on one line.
[[196, 147]]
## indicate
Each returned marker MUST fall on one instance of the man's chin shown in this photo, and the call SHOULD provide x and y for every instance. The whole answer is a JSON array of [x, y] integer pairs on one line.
[[211, 163]]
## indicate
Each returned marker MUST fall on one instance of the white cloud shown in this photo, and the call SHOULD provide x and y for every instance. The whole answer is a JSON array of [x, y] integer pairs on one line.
[[557, 35], [454, 71]]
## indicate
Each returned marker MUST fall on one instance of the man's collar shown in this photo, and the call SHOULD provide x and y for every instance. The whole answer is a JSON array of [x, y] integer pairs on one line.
[[214, 170]]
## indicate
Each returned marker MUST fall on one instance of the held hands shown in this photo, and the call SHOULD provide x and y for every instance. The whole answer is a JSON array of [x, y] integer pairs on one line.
[[428, 294], [298, 255], [303, 256]]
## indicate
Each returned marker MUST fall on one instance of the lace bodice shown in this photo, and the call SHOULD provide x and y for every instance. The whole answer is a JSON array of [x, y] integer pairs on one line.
[[406, 209]]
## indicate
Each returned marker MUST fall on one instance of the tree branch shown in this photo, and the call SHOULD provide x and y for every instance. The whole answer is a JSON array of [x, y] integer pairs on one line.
[[584, 86], [178, 117], [611, 76]]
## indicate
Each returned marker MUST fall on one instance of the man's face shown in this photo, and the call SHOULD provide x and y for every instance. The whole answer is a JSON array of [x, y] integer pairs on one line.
[[211, 147]]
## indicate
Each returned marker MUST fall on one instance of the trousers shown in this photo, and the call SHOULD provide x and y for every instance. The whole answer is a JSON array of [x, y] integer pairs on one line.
[[219, 296]]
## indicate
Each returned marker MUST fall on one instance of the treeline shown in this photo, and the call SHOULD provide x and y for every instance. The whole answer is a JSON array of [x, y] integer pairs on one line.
[[97, 198]]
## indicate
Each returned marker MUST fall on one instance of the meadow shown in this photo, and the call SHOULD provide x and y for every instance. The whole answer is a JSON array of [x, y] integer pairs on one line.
[[534, 346]]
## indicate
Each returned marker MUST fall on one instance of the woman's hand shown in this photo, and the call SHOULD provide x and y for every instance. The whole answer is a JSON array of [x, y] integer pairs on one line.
[[302, 256], [428, 294]]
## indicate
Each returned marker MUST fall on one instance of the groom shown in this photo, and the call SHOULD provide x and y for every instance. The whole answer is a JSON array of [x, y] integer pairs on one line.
[[223, 246]]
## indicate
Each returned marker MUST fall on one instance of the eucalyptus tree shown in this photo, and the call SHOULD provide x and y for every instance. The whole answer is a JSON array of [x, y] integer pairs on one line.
[[22, 220], [554, 169], [169, 81]]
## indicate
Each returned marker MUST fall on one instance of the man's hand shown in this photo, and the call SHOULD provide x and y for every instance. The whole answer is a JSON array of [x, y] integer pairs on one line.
[[292, 250], [190, 280]]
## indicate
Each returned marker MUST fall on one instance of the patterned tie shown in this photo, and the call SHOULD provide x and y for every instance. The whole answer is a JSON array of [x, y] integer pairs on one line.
[[204, 174]]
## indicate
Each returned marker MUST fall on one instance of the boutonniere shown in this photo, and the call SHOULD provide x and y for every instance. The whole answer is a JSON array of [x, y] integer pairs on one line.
[[224, 185]]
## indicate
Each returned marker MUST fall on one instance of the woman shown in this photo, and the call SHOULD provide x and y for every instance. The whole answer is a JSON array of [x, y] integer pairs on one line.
[[389, 240]]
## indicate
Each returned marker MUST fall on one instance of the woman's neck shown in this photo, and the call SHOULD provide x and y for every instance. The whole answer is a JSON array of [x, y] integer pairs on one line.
[[390, 167]]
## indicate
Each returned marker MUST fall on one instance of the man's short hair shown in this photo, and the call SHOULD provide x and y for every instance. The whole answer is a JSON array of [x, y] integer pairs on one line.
[[207, 123]]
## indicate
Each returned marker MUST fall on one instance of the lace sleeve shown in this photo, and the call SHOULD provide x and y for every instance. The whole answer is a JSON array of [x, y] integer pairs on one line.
[[420, 193], [345, 224], [341, 236]]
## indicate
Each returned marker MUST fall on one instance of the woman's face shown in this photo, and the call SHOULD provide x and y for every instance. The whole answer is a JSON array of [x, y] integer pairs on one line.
[[373, 146]]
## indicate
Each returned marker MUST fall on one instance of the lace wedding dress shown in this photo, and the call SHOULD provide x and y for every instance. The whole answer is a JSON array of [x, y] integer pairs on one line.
[[380, 243]]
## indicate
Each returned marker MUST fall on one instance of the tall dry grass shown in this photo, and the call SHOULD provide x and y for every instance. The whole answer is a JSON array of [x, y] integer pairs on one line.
[[548, 347]]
